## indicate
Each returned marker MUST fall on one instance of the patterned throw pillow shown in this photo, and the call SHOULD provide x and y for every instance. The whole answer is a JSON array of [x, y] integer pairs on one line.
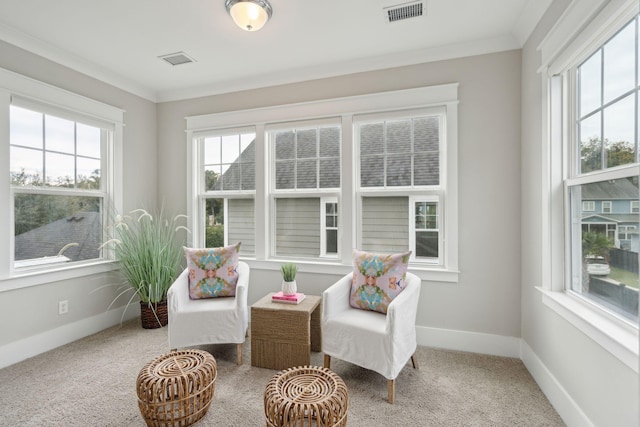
[[212, 272], [377, 279]]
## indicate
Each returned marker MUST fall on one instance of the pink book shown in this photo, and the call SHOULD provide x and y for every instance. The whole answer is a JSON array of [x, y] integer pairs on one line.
[[292, 299]]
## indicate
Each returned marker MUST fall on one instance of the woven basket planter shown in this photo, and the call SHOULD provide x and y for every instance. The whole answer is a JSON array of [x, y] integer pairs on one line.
[[176, 389], [306, 396], [155, 315]]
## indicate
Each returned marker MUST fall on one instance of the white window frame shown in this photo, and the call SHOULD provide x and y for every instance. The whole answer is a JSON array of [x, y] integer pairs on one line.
[[583, 27], [445, 96], [59, 100], [635, 206], [198, 227], [408, 191], [412, 223], [324, 201], [607, 206]]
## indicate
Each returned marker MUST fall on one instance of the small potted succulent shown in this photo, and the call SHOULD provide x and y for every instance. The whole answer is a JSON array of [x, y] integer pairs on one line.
[[289, 271]]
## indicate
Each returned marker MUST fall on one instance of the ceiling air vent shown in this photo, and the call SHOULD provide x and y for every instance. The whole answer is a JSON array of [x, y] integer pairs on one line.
[[404, 11], [177, 58]]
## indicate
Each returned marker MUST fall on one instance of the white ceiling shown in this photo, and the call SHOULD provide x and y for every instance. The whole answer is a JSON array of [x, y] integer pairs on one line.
[[119, 41]]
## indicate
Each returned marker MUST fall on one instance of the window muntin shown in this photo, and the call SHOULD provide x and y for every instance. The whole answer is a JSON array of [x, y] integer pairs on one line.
[[228, 182], [606, 156], [399, 157], [588, 206], [329, 232], [56, 173]]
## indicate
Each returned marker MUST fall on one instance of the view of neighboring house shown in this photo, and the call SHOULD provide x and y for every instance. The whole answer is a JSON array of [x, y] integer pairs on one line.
[[611, 208]]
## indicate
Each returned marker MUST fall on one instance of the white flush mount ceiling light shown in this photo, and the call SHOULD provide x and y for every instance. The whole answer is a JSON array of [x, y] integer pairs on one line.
[[250, 15]]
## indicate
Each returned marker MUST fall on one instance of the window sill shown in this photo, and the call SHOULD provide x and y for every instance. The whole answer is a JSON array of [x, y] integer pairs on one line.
[[327, 267], [615, 336], [35, 277]]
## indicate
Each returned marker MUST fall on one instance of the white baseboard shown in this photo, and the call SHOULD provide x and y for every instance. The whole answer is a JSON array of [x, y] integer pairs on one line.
[[566, 407], [473, 342], [32, 346]]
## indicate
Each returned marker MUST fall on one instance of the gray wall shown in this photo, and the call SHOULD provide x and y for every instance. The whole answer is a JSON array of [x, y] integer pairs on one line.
[[487, 297], [600, 384], [34, 310]]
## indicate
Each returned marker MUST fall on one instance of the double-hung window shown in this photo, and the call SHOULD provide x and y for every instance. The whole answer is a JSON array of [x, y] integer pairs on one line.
[[62, 158], [305, 160], [603, 165], [591, 84], [400, 192], [227, 189], [376, 172]]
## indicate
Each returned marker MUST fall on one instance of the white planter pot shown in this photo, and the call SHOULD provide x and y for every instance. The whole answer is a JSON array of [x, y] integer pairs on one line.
[[289, 288]]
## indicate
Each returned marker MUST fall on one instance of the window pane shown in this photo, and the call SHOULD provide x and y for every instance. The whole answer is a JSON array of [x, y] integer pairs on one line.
[[619, 132], [426, 169], [426, 244], [605, 248], [426, 134], [231, 177], [307, 174], [330, 173], [60, 170], [88, 140], [385, 224], [241, 224], [213, 178], [26, 166], [590, 73], [26, 127], [230, 149], [44, 224], [298, 227], [88, 173], [619, 63], [399, 170], [372, 139], [372, 171], [214, 223], [284, 175], [59, 134], [285, 144], [307, 144], [330, 142], [399, 137], [332, 241], [590, 144], [212, 151]]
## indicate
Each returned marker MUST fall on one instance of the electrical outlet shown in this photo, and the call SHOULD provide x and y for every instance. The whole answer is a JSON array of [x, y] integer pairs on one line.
[[63, 307]]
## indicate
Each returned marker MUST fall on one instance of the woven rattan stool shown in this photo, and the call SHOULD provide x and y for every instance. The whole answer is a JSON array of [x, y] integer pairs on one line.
[[306, 396], [176, 389]]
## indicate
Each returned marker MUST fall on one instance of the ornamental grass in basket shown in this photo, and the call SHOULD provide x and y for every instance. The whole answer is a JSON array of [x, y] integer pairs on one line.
[[149, 251]]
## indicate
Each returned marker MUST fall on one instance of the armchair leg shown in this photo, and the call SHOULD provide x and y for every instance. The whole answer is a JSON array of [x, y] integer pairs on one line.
[[239, 353], [327, 361], [414, 360], [391, 390]]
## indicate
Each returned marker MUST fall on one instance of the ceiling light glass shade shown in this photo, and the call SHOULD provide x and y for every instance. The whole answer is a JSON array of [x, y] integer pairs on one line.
[[250, 15]]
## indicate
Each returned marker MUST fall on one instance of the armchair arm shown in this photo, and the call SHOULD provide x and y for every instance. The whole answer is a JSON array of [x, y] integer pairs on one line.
[[402, 311], [335, 298], [242, 290], [178, 292]]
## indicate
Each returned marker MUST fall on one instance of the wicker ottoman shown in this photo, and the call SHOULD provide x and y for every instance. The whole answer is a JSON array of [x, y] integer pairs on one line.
[[309, 393], [176, 389]]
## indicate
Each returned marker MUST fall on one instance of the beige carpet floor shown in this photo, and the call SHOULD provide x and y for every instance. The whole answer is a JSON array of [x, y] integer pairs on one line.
[[91, 382]]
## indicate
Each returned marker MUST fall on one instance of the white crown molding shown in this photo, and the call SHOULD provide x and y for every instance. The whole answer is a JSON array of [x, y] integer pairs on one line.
[[529, 17], [70, 60]]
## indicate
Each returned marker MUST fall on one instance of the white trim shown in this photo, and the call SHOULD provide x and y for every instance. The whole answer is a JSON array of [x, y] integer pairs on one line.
[[561, 400], [25, 348], [616, 336], [474, 342], [529, 17]]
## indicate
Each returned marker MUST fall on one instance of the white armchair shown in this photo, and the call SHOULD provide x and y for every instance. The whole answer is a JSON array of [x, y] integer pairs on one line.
[[372, 340], [208, 321]]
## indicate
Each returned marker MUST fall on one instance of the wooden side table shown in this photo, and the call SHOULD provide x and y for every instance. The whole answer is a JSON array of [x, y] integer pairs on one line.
[[283, 335]]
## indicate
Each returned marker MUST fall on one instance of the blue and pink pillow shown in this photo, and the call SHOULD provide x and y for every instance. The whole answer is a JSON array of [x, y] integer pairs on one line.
[[213, 272], [377, 279]]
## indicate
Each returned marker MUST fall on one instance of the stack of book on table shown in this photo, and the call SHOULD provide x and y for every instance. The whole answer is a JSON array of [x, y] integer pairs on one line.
[[288, 299]]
